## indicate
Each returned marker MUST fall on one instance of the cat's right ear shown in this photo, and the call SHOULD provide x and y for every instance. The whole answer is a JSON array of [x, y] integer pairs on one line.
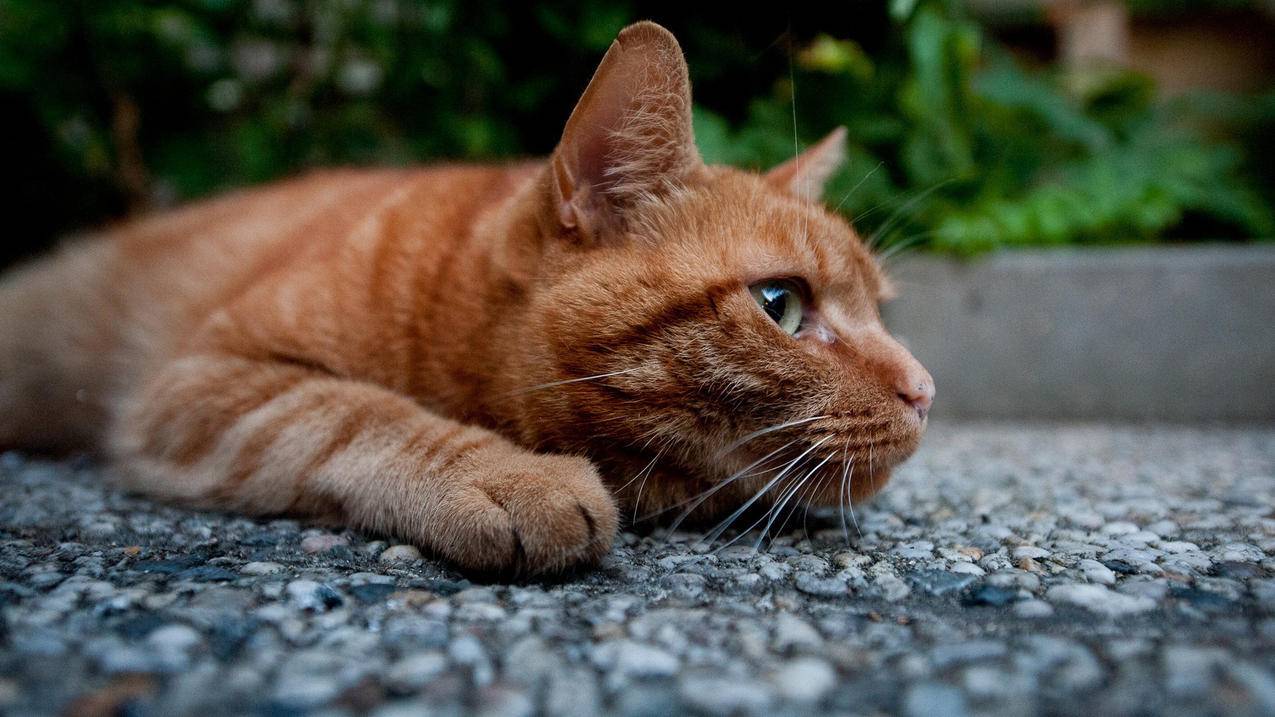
[[629, 136]]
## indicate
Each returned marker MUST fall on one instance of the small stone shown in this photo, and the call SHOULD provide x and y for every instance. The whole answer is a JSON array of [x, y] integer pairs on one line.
[[891, 587], [369, 593], [172, 643], [261, 568], [1029, 551], [958, 653], [940, 582], [990, 595], [715, 695], [323, 542], [1239, 552], [1032, 609], [413, 672], [848, 559], [793, 632], [400, 554], [634, 659], [206, 574], [918, 550], [967, 569], [1192, 671], [1099, 599], [1096, 572], [933, 699], [821, 587], [805, 680], [310, 595], [1178, 546], [1205, 600], [686, 586], [466, 651]]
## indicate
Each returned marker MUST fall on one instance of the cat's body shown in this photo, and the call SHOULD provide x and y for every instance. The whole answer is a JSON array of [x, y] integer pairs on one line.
[[433, 353]]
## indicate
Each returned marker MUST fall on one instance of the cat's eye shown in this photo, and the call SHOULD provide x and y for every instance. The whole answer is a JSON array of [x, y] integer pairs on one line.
[[781, 300]]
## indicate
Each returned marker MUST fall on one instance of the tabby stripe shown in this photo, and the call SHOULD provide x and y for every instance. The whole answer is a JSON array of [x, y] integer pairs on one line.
[[460, 452], [201, 438], [350, 427], [248, 460], [162, 426], [696, 307]]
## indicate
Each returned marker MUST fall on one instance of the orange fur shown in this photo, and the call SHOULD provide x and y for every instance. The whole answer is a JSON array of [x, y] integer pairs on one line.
[[410, 351]]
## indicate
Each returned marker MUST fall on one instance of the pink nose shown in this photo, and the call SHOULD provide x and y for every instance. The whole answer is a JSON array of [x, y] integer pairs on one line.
[[917, 392]]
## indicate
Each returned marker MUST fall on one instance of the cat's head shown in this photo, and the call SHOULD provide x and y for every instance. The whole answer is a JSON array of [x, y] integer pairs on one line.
[[715, 328]]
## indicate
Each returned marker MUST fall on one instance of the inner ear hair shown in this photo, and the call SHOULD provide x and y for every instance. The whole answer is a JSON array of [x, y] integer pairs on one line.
[[629, 137]]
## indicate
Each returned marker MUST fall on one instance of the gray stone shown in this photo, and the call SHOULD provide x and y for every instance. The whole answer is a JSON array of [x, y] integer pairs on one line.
[[716, 695], [805, 680], [1099, 599], [400, 554], [933, 699]]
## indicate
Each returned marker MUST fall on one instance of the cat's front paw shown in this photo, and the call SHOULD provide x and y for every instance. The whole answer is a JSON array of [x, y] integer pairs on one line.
[[535, 515]]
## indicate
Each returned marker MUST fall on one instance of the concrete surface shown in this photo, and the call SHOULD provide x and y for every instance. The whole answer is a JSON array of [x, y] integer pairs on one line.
[[1008, 570], [1178, 334]]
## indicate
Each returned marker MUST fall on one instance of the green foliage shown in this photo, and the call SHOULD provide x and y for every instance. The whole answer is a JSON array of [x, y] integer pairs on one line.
[[957, 147], [128, 104]]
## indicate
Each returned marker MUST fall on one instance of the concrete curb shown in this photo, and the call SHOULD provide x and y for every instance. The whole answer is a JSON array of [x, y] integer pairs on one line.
[[1168, 333]]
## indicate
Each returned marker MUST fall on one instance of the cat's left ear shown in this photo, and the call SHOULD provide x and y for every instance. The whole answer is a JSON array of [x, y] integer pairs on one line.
[[630, 135], [804, 176]]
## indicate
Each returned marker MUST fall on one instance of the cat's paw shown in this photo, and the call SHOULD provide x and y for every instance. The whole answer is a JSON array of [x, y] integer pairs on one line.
[[537, 515]]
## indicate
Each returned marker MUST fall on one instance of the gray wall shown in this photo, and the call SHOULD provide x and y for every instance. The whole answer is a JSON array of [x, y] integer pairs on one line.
[[1145, 333]]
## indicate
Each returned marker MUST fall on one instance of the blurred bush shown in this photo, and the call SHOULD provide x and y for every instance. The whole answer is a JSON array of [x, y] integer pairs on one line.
[[124, 105]]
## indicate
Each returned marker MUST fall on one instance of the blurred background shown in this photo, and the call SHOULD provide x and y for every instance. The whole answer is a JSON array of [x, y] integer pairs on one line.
[[975, 125]]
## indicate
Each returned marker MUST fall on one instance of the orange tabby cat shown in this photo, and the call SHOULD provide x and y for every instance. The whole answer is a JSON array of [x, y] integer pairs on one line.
[[487, 361]]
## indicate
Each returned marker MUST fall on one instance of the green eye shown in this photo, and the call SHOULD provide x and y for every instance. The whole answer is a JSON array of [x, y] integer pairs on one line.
[[781, 300]]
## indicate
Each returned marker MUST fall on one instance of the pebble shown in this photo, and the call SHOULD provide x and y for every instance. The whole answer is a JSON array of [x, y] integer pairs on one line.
[[1032, 609], [323, 542], [933, 699], [1149, 588], [633, 659], [939, 582], [262, 568], [1030, 552], [414, 671], [1096, 572], [821, 587], [1099, 599], [805, 680], [400, 554], [793, 632], [891, 587], [714, 695], [310, 595]]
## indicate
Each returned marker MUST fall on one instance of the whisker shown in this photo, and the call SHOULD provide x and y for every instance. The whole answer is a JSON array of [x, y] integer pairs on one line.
[[805, 518], [858, 184], [699, 499], [637, 502], [564, 382], [769, 429], [785, 491], [898, 213], [850, 501], [724, 525], [780, 507]]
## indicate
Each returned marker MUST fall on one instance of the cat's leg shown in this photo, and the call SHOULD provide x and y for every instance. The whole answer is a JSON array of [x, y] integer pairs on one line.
[[276, 437]]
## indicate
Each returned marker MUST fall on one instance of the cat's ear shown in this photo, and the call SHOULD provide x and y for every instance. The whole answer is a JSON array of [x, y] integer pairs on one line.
[[804, 176], [629, 136]]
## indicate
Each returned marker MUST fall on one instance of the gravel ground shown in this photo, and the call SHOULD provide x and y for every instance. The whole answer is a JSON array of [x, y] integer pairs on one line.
[[1060, 569]]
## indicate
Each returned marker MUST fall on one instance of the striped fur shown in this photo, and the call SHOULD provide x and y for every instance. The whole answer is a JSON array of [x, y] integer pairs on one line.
[[410, 351]]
